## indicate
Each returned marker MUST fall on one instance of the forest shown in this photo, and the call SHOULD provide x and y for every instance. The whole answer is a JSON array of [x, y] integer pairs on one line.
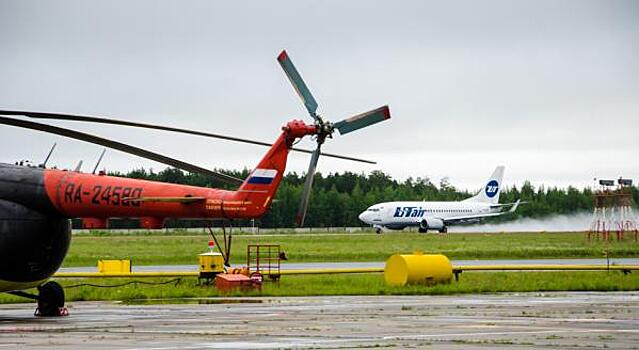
[[338, 198]]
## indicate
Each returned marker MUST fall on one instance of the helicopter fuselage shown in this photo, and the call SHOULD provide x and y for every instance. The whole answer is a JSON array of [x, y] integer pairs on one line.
[[36, 206]]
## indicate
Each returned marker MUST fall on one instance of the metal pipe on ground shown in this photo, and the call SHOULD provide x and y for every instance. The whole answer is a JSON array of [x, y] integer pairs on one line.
[[457, 269]]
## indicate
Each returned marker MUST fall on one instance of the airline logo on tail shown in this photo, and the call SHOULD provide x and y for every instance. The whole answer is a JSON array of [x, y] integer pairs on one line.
[[492, 188], [262, 176]]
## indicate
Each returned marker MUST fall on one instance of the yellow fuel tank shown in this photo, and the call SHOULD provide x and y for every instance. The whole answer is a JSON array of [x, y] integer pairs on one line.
[[417, 268]]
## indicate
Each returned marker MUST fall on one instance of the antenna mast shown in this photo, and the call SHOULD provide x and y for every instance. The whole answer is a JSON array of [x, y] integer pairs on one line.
[[99, 160], [44, 164]]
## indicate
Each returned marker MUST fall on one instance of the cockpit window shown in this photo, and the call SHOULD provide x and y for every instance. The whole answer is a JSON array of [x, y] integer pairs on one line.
[[373, 209]]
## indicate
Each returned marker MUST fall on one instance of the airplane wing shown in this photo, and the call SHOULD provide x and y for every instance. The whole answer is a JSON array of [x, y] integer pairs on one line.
[[493, 206], [470, 218], [185, 200], [476, 217]]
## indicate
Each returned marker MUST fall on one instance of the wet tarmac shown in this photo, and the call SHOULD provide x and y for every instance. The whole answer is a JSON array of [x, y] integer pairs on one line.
[[378, 264], [518, 321]]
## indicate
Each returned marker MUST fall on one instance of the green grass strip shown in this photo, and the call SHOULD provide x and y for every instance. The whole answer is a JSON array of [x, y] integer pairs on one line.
[[179, 249], [351, 284]]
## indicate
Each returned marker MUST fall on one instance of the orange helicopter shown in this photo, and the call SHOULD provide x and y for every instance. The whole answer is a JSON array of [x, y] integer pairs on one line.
[[36, 203]]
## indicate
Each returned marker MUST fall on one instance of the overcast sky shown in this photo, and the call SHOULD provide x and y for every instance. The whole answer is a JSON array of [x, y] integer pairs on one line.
[[550, 89]]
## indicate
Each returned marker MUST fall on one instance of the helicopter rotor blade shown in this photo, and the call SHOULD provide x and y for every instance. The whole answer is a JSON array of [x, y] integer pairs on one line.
[[92, 119], [101, 120], [120, 147], [362, 120], [334, 156], [298, 84], [308, 186]]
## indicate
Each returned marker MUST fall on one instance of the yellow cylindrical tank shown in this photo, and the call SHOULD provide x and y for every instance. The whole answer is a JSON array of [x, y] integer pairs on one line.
[[417, 268]]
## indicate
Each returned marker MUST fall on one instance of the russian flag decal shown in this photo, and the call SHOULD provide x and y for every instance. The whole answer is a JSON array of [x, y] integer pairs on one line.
[[262, 176]]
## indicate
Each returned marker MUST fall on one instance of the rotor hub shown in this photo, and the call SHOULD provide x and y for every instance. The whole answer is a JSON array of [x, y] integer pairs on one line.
[[324, 130], [297, 128]]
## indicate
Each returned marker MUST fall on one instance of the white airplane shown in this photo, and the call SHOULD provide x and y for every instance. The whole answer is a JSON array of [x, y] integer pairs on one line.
[[439, 215]]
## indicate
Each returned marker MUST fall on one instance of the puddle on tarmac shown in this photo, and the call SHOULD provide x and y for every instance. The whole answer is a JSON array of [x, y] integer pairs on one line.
[[190, 301]]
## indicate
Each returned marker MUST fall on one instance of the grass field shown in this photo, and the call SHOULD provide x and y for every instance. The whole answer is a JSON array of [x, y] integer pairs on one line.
[[156, 249], [183, 249], [360, 284]]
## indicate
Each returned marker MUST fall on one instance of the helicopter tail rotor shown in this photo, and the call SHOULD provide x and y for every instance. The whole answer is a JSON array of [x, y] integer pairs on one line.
[[362, 120], [298, 84], [325, 129]]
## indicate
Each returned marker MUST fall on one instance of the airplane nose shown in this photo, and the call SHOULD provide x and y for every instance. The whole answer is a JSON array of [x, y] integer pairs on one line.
[[362, 216]]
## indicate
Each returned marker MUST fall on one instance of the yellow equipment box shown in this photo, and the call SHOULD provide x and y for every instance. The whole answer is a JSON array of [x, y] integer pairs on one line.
[[114, 266], [417, 268], [210, 263]]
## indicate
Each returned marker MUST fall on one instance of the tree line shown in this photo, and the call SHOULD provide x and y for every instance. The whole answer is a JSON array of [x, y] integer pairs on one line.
[[337, 199]]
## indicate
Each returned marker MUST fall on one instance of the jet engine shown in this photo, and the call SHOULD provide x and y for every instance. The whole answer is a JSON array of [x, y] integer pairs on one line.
[[431, 224]]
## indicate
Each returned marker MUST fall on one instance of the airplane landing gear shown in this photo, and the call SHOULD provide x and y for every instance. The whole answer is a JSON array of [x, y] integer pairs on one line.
[[444, 230], [378, 231], [51, 300], [422, 230]]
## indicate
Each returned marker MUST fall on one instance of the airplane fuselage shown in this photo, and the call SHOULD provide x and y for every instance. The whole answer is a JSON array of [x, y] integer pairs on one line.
[[399, 215], [439, 215]]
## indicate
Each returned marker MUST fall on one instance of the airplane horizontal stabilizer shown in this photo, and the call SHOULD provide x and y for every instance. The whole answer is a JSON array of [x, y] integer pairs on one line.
[[514, 207]]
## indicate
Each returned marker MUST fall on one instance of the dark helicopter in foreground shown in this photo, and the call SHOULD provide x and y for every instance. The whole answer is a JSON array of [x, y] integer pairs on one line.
[[36, 203]]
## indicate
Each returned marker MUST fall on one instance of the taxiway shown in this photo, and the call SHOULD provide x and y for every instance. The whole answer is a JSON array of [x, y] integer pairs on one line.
[[530, 320]]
